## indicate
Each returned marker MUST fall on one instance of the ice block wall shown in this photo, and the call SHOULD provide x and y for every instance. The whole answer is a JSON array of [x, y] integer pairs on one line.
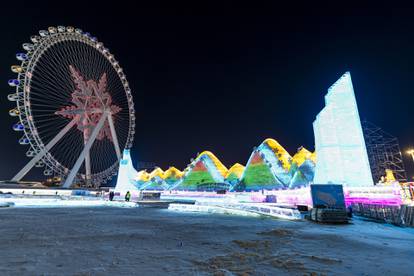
[[339, 142]]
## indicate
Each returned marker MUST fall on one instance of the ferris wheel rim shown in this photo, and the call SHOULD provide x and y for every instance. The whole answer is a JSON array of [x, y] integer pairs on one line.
[[41, 44]]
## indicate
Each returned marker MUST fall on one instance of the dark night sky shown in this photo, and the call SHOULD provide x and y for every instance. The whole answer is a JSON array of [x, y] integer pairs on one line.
[[225, 78]]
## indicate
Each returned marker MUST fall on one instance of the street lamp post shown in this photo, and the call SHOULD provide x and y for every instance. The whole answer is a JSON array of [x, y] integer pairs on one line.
[[411, 152]]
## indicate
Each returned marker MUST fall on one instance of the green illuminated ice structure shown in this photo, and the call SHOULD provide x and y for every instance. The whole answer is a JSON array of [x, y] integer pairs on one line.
[[339, 142]]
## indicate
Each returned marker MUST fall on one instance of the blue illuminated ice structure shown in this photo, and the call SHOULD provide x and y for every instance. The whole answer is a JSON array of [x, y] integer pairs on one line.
[[126, 175], [339, 142]]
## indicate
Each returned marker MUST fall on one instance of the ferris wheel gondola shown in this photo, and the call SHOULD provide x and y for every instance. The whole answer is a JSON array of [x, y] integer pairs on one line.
[[74, 106]]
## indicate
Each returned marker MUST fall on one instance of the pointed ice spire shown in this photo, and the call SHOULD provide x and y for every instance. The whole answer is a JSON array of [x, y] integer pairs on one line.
[[339, 142], [126, 175]]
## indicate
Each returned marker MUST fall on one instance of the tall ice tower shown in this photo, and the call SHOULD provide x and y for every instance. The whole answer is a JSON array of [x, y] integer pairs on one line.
[[339, 141], [126, 175]]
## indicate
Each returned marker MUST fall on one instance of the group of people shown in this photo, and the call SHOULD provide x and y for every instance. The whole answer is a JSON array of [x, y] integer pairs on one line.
[[127, 196]]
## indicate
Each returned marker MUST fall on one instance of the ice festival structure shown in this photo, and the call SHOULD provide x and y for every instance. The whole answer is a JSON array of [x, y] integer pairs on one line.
[[340, 157], [270, 167], [126, 180], [206, 172], [339, 140], [234, 174]]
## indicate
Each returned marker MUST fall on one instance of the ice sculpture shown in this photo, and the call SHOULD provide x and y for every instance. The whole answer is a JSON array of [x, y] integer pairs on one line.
[[271, 167], [142, 178], [205, 171], [155, 181], [234, 174], [258, 174], [126, 175], [172, 176], [339, 142], [302, 168]]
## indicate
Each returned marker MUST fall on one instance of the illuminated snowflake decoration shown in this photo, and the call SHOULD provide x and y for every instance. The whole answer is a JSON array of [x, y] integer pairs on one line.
[[91, 99]]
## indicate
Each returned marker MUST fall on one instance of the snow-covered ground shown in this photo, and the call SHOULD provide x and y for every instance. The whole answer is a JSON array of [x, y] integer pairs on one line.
[[147, 241], [57, 202]]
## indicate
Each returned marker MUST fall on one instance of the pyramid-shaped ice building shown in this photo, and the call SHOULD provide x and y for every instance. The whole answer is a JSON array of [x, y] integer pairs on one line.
[[270, 167], [206, 170]]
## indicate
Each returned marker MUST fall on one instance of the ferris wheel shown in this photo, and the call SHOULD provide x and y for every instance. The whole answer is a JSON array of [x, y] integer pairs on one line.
[[74, 107]]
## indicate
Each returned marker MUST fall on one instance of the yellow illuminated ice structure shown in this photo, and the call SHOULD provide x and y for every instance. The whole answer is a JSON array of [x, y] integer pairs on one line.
[[155, 181], [267, 168], [237, 170], [282, 155], [302, 155], [158, 179], [157, 172], [206, 169], [234, 174], [302, 169], [173, 172], [389, 176], [172, 176], [142, 176], [270, 166], [217, 163]]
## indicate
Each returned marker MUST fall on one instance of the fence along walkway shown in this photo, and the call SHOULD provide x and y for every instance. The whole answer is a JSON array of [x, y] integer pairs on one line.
[[399, 215]]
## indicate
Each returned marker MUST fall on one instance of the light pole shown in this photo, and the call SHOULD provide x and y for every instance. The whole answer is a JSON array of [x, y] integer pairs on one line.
[[411, 152]]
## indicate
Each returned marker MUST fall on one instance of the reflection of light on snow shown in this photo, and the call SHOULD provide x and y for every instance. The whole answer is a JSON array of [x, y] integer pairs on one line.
[[210, 209], [241, 209], [34, 202], [270, 210]]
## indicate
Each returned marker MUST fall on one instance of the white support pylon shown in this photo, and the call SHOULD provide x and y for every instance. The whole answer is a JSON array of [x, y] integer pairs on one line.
[[41, 154], [81, 158], [114, 137], [87, 159]]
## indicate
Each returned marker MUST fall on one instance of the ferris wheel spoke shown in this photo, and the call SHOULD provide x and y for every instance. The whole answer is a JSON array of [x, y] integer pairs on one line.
[[45, 73], [42, 153]]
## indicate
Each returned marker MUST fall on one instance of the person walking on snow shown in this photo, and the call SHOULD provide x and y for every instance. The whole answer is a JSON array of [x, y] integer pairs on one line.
[[127, 196]]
